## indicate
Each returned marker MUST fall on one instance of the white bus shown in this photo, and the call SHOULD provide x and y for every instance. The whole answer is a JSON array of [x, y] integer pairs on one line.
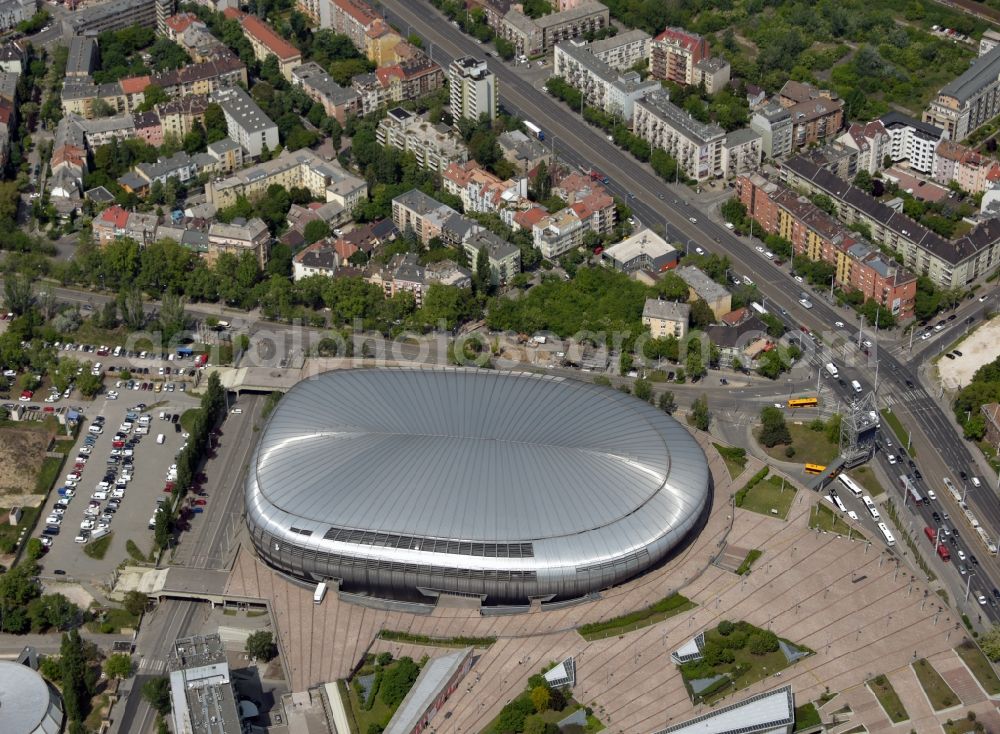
[[889, 540], [319, 593], [871, 508], [836, 501], [851, 485]]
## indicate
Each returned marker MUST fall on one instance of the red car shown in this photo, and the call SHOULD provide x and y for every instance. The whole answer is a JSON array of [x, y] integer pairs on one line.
[[48, 409], [170, 486], [168, 490], [118, 444], [201, 503]]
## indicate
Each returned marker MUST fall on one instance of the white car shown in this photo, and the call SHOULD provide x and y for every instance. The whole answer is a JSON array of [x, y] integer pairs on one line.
[[46, 541], [237, 411], [87, 525], [699, 251], [981, 599], [86, 450], [839, 324], [693, 220], [760, 249], [769, 255], [961, 554], [54, 520], [58, 511], [892, 458], [853, 515], [975, 482], [931, 496], [82, 537], [799, 279], [117, 494], [926, 335]]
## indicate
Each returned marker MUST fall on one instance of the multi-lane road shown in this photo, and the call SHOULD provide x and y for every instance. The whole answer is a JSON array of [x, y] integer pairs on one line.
[[654, 201]]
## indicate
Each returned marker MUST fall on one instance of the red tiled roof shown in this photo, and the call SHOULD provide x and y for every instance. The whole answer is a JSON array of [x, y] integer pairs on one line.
[[734, 317], [384, 73], [689, 41], [260, 30], [115, 216], [134, 84], [181, 21], [530, 217], [359, 11], [6, 111]]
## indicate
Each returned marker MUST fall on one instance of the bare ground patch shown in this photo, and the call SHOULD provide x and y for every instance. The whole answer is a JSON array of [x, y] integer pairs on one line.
[[980, 347], [21, 453]]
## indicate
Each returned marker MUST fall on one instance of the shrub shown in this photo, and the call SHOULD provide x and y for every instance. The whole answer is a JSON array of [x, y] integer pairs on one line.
[[763, 642], [754, 481], [397, 681], [726, 628], [789, 451], [736, 641]]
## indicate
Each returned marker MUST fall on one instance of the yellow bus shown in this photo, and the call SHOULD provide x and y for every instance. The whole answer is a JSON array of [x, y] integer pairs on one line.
[[815, 468], [803, 402]]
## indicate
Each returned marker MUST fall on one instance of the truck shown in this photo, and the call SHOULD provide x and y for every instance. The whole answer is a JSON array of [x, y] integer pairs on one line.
[[943, 554], [319, 593], [596, 175], [759, 308], [534, 129], [831, 369]]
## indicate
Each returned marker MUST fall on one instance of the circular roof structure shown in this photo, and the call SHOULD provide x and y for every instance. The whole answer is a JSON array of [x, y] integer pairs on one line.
[[478, 456], [26, 703]]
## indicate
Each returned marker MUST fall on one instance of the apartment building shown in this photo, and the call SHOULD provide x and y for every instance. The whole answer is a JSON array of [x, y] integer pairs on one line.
[[912, 141], [871, 141], [238, 237], [712, 73], [415, 211], [352, 18], [195, 38], [246, 122], [316, 10], [970, 100], [696, 146], [178, 116], [972, 171], [300, 168], [989, 41], [116, 223], [818, 236], [701, 286], [666, 318], [434, 146], [742, 151], [13, 12], [557, 234], [483, 192], [524, 152], [674, 53], [101, 131], [337, 101], [409, 79], [644, 250], [472, 90], [949, 264], [504, 257], [817, 114], [265, 42], [602, 86], [68, 161], [319, 258], [12, 57], [82, 58], [623, 50], [532, 37], [203, 78], [371, 94], [774, 125], [381, 42], [228, 154], [117, 14], [180, 166]]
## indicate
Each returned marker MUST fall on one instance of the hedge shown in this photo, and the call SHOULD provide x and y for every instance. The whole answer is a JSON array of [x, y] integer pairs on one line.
[[754, 481]]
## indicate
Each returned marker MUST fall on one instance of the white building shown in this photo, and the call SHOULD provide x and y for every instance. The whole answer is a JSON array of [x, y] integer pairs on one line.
[[623, 50], [13, 12], [742, 152], [602, 85], [912, 140], [435, 146], [774, 123], [696, 146], [666, 318], [246, 122], [473, 89]]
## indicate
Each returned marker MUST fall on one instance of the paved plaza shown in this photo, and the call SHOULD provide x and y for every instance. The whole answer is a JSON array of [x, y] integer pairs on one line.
[[851, 602]]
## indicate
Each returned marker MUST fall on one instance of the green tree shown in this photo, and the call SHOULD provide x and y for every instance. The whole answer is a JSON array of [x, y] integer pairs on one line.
[[701, 314], [18, 297], [762, 642], [643, 389], [666, 402], [77, 676], [397, 681], [315, 230], [157, 692], [152, 95], [699, 417], [118, 665], [990, 643], [774, 430], [540, 697], [260, 646], [135, 602]]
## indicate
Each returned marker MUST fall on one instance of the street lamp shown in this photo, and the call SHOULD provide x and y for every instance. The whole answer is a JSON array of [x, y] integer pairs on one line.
[[968, 584]]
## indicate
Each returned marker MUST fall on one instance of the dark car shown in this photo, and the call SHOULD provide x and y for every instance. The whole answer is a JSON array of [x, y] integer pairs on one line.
[[936, 516], [51, 530], [957, 353], [952, 317], [59, 572], [963, 475], [953, 540], [917, 474], [949, 355], [175, 417], [841, 381], [973, 560], [996, 592], [909, 383]]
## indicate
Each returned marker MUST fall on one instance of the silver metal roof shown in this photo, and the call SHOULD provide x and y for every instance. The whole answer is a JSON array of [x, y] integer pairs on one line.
[[26, 702], [475, 455]]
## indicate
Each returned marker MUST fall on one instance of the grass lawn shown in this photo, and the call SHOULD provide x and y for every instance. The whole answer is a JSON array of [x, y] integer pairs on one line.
[[48, 473], [115, 619], [663, 609], [866, 478], [751, 558], [889, 699], [980, 667], [735, 459], [379, 713], [811, 447], [902, 435], [768, 495], [962, 726], [9, 533], [806, 716], [188, 418], [746, 668], [824, 518], [938, 692], [98, 548]]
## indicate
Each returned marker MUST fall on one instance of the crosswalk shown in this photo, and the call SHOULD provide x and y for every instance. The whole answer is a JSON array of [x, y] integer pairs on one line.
[[152, 666]]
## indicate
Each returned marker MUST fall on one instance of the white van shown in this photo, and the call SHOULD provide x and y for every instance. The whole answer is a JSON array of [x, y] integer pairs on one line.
[[144, 419], [160, 438], [856, 385], [99, 533], [96, 429], [142, 430]]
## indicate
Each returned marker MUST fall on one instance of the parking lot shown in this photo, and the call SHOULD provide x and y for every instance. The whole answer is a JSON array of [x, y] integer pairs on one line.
[[150, 461]]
